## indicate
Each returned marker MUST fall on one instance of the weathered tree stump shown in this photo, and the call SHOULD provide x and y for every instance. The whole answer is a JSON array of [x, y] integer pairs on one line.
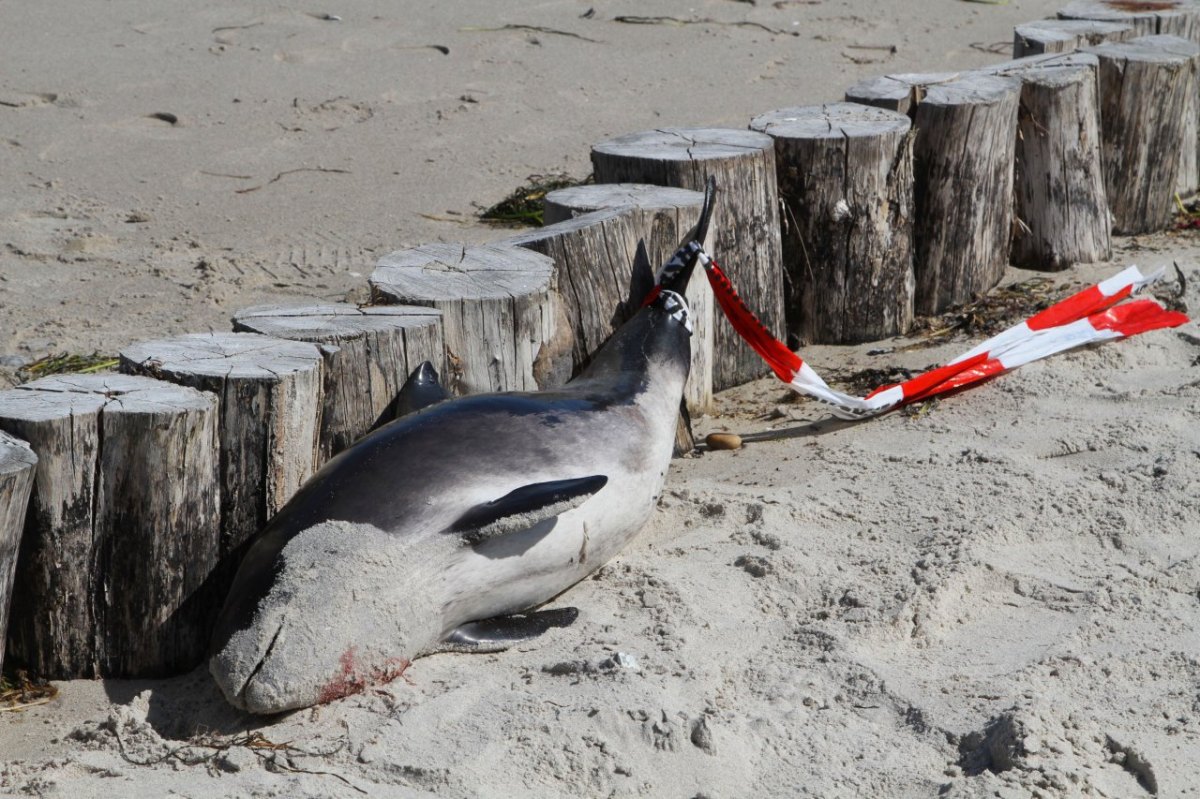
[[1061, 206], [963, 171], [605, 262], [1066, 35], [123, 528], [1148, 113], [901, 92], [369, 352], [17, 462], [745, 221], [1173, 17], [846, 182], [496, 302], [270, 411]]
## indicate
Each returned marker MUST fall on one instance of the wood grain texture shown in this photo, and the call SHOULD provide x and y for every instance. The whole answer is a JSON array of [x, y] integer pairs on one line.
[[846, 185], [498, 310], [745, 221], [1173, 17], [1065, 35], [369, 353], [1061, 208], [269, 392], [123, 530], [17, 463], [605, 263], [963, 172], [1148, 112]]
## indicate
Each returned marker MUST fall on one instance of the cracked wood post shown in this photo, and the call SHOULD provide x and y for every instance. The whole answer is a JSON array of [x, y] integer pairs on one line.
[[966, 129], [123, 528], [746, 219], [1173, 17], [496, 302], [1065, 35], [1061, 205], [606, 253], [17, 463], [269, 394], [846, 181], [369, 352], [1148, 113]]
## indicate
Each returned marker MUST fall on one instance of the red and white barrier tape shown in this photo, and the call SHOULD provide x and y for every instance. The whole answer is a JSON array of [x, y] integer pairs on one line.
[[1090, 316]]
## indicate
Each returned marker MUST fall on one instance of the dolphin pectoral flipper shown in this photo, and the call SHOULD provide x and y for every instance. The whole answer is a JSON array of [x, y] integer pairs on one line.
[[524, 507], [502, 632]]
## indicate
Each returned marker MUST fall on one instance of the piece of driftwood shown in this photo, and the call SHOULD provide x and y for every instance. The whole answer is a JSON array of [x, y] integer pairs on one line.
[[17, 462], [1062, 214], [1065, 35], [745, 221], [1171, 17], [498, 310], [901, 92], [845, 175], [269, 391], [1148, 112], [605, 264], [369, 352], [123, 528], [963, 170]]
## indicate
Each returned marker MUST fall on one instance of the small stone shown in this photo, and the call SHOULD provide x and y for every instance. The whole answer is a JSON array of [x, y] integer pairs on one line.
[[236, 759], [716, 441]]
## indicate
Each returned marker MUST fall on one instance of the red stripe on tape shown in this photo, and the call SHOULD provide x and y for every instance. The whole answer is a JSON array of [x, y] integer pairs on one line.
[[783, 362], [1136, 317], [1075, 307]]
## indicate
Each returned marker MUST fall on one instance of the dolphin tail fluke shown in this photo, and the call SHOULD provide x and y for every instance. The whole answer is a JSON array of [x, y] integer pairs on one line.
[[677, 271]]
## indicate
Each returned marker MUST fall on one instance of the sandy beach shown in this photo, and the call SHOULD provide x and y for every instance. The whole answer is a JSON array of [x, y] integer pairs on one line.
[[997, 596]]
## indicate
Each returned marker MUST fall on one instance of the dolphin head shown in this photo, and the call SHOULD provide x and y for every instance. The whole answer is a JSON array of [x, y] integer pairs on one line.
[[341, 609]]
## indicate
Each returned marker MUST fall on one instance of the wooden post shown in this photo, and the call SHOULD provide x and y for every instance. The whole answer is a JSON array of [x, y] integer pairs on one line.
[[963, 166], [496, 304], [368, 351], [123, 528], [845, 175], [270, 411], [1066, 35], [568, 203], [605, 265], [746, 219], [1172, 17], [1061, 206], [1148, 113], [17, 462]]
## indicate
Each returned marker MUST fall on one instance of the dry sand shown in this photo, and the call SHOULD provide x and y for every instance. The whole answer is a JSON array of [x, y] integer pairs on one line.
[[999, 597]]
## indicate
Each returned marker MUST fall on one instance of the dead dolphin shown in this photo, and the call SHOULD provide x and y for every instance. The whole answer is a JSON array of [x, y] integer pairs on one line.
[[422, 535]]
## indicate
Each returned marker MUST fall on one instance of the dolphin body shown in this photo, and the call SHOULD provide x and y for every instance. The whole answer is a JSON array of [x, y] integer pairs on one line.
[[429, 533]]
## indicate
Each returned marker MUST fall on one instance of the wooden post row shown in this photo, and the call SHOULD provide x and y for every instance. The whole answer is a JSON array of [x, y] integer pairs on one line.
[[123, 526], [17, 463], [966, 128], [368, 354]]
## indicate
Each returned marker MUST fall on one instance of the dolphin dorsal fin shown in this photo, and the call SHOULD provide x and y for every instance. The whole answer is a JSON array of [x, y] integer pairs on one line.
[[420, 390], [524, 507]]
